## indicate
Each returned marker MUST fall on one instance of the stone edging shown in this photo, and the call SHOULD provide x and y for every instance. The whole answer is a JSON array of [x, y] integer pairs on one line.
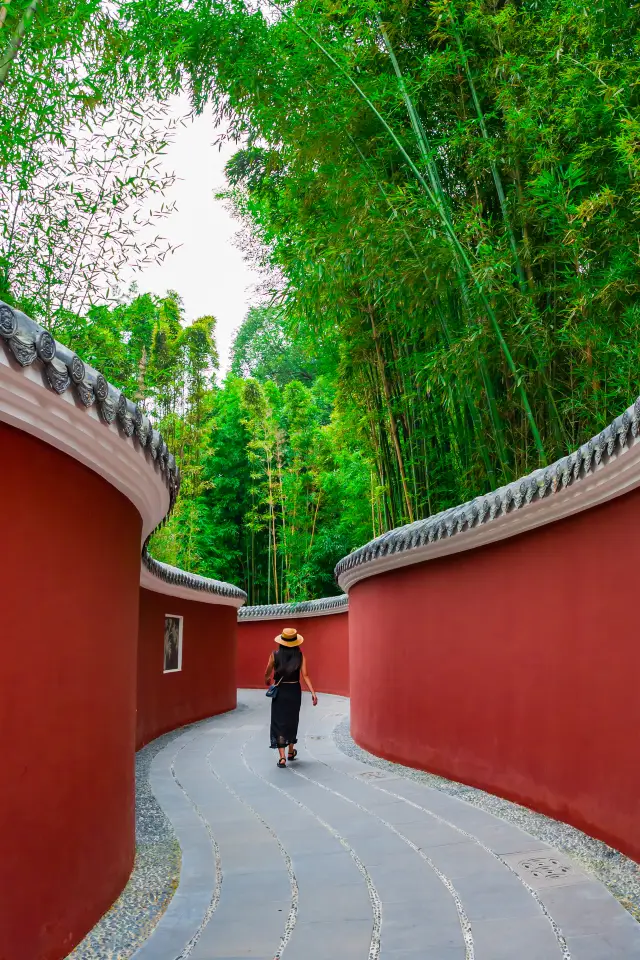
[[285, 611], [605, 467]]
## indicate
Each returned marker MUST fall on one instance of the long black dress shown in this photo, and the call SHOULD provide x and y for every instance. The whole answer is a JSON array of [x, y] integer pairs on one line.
[[285, 707]]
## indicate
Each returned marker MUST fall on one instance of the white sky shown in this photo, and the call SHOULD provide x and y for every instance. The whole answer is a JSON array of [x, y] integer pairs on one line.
[[208, 271]]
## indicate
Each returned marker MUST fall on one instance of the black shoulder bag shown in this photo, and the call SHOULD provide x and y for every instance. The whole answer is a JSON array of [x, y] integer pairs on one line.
[[272, 692]]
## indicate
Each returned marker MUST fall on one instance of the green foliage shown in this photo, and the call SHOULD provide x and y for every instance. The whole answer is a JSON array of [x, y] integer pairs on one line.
[[445, 199], [285, 498], [446, 195], [262, 348], [79, 159]]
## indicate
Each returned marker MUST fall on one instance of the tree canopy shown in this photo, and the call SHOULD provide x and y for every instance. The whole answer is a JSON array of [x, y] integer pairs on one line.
[[445, 201]]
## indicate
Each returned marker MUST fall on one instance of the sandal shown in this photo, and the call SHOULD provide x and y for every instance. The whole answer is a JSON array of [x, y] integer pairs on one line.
[[282, 763], [293, 755]]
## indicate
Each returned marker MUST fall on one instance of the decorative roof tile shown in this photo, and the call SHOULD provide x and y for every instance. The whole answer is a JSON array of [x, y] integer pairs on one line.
[[305, 608], [180, 578], [28, 343], [523, 495]]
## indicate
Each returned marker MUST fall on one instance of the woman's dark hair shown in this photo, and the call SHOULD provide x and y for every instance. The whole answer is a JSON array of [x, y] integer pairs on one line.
[[288, 660]]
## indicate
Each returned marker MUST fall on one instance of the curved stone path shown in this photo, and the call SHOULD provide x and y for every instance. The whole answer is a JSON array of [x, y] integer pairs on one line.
[[331, 859]]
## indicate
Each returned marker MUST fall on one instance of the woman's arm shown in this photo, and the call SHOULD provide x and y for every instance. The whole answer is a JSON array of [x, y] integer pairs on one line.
[[268, 671], [305, 677]]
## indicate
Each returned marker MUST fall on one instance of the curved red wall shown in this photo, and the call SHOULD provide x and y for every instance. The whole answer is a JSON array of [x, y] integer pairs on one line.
[[514, 668], [326, 647], [206, 685], [69, 597]]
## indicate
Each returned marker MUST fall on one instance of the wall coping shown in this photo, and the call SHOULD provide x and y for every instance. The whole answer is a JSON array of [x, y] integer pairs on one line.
[[605, 467], [285, 611], [163, 578], [47, 391]]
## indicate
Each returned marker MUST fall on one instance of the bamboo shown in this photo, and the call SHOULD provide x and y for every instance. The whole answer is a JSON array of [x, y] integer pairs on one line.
[[497, 180], [313, 526], [449, 230], [13, 47], [448, 340], [392, 422]]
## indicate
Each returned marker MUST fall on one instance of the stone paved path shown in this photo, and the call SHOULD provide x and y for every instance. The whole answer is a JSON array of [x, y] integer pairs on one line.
[[333, 860]]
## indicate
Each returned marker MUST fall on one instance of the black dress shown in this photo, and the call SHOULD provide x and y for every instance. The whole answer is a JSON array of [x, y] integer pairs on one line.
[[285, 708]]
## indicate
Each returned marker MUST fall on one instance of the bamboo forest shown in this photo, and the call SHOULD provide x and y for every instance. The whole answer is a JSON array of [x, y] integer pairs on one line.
[[441, 198]]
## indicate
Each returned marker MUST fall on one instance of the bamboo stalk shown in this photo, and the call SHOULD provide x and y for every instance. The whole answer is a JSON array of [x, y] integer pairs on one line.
[[313, 526], [392, 421], [13, 47], [449, 230], [497, 180], [448, 340]]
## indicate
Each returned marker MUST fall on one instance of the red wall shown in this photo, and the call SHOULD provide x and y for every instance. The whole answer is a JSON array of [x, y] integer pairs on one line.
[[513, 667], [69, 586], [206, 685], [326, 648]]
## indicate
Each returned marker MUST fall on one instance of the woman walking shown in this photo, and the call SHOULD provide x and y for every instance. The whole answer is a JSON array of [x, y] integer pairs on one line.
[[287, 664]]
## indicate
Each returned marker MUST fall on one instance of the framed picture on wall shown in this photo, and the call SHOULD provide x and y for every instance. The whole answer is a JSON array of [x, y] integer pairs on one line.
[[172, 643]]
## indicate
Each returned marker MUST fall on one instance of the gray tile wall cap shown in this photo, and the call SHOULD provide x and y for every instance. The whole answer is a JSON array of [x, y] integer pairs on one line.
[[605, 467], [287, 611], [191, 581], [26, 343]]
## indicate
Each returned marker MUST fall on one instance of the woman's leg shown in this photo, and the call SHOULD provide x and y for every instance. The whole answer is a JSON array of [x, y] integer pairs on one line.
[[294, 721]]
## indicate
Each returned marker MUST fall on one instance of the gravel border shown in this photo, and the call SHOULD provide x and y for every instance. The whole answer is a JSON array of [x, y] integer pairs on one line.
[[618, 873], [156, 870], [153, 881]]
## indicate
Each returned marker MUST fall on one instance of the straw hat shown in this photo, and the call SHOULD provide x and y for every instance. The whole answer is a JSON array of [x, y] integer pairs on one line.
[[289, 638]]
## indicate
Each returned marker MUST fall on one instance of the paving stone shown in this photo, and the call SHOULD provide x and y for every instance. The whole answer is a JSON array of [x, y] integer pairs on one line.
[[442, 939], [378, 847], [610, 946], [489, 896], [530, 938], [331, 868], [618, 873], [505, 839], [424, 951], [404, 881], [400, 813], [588, 908], [326, 902], [269, 824], [466, 859], [304, 840], [326, 940], [263, 887], [429, 833], [256, 934], [429, 911]]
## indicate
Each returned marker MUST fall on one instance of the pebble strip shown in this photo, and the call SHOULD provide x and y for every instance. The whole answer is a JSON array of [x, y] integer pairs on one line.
[[156, 872], [293, 910], [154, 879], [215, 896], [618, 873], [462, 916], [376, 903]]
